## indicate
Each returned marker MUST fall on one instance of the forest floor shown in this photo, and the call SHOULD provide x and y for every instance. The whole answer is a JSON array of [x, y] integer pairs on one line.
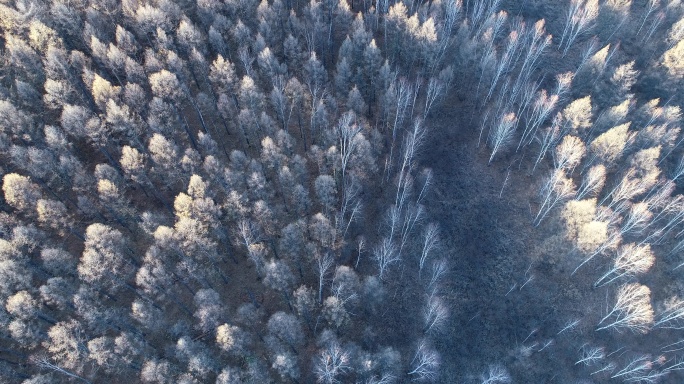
[[493, 248]]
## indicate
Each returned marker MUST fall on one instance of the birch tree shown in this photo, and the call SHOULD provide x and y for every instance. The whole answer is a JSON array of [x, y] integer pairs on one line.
[[579, 19], [631, 260], [385, 254], [592, 182], [502, 134], [332, 362], [632, 310], [425, 362], [557, 188], [495, 374]]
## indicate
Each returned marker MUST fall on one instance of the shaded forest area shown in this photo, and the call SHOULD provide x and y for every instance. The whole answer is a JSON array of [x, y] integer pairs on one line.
[[236, 191]]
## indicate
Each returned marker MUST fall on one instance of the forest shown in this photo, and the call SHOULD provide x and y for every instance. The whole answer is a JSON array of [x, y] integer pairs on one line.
[[341, 191]]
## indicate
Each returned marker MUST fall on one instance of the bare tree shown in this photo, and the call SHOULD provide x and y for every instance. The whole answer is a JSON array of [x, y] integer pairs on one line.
[[631, 260], [430, 243], [347, 130], [43, 362], [629, 187], [569, 153], [590, 355], [580, 17], [557, 188], [541, 110], [332, 362], [385, 254], [247, 234], [435, 314], [508, 57], [425, 362], [495, 374], [502, 134], [548, 138], [439, 269], [637, 370], [632, 310], [673, 315], [323, 262], [651, 6], [434, 90], [592, 183], [638, 218]]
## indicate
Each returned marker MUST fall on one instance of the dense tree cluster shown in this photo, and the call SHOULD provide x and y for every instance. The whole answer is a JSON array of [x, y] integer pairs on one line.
[[233, 191], [188, 188]]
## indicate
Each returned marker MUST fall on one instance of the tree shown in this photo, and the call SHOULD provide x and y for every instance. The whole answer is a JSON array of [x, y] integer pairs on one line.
[[133, 164], [156, 371], [435, 314], [200, 363], [222, 76], [229, 375], [569, 153], [558, 187], [57, 292], [324, 185], [286, 328], [101, 351], [610, 145], [673, 60], [285, 363], [591, 355], [577, 115], [305, 303], [385, 254], [631, 260], [232, 339], [425, 363], [209, 311], [44, 362], [67, 345], [495, 374], [579, 19], [592, 182], [672, 316], [53, 214], [332, 362], [502, 133], [104, 262], [335, 312], [324, 262], [166, 85], [58, 262], [632, 310], [147, 314], [165, 155], [23, 306], [20, 192], [279, 277]]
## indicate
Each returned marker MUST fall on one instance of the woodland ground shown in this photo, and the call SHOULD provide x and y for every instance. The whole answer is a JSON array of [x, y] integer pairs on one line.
[[492, 245]]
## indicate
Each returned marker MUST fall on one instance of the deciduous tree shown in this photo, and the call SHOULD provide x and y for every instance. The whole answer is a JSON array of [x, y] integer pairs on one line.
[[632, 310]]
